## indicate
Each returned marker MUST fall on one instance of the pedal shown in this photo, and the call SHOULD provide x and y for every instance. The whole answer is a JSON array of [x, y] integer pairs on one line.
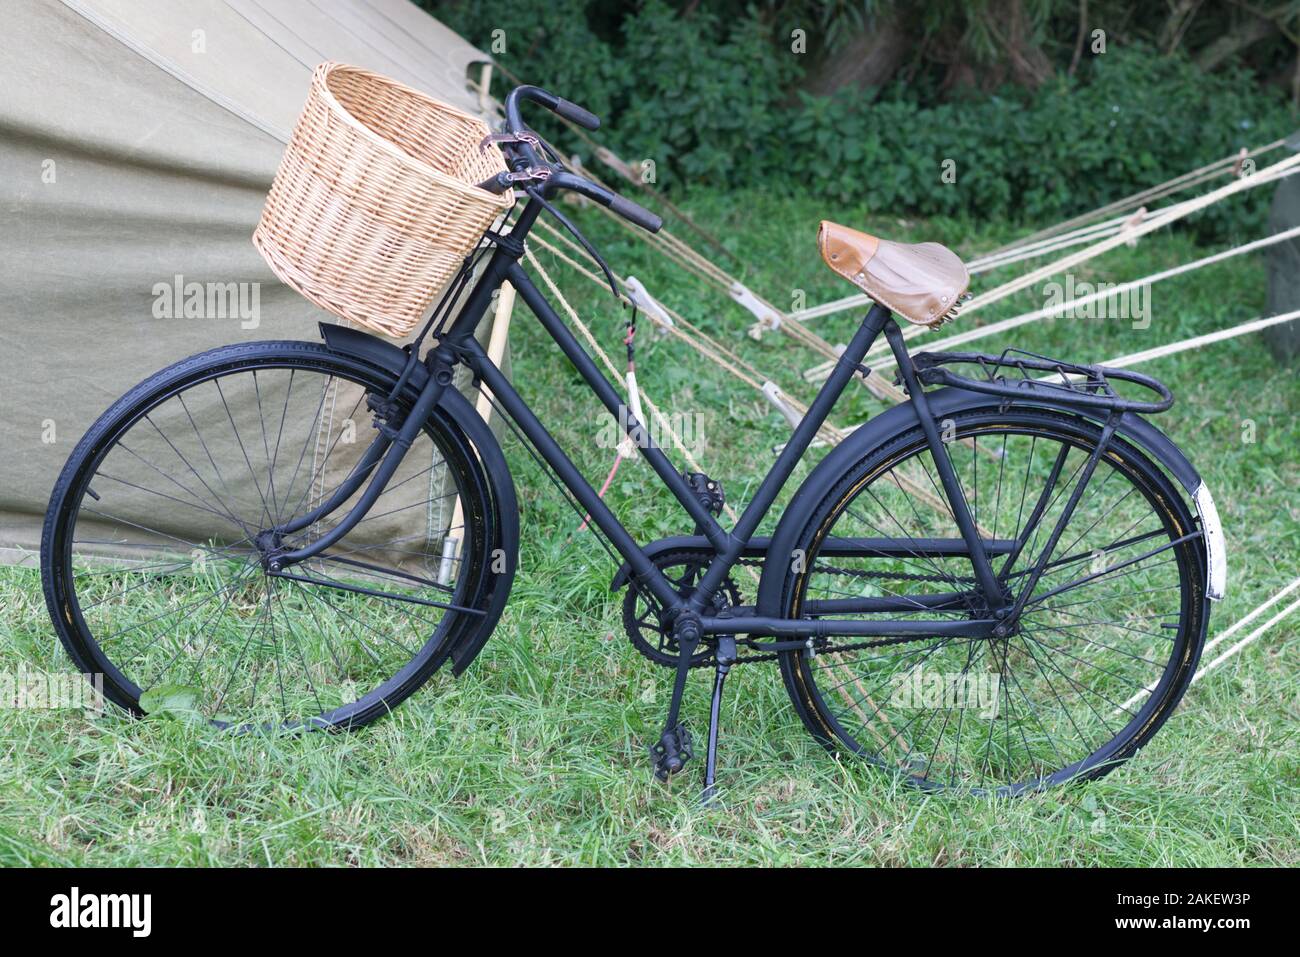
[[672, 752]]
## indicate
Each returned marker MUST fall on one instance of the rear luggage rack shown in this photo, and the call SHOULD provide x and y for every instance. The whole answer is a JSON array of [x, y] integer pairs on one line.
[[1010, 375]]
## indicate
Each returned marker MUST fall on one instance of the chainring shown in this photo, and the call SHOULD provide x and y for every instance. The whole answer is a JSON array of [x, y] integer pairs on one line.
[[643, 617]]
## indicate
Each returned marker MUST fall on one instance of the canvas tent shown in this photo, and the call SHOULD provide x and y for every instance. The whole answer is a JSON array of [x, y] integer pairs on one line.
[[137, 141]]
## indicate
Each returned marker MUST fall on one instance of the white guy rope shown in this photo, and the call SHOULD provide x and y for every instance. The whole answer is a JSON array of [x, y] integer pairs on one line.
[[658, 416], [1120, 231], [697, 339], [1196, 342], [1245, 641], [1177, 184], [1120, 224], [986, 263], [1052, 243], [827, 433], [1054, 238], [1151, 225]]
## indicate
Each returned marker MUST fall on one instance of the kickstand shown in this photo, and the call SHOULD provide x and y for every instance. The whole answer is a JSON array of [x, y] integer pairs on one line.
[[726, 657]]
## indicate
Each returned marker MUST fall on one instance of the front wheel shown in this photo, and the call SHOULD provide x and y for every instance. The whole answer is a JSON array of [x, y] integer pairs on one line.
[[1108, 641], [154, 553]]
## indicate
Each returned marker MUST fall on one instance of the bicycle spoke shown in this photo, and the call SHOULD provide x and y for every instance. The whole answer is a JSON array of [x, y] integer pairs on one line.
[[1003, 713], [173, 582]]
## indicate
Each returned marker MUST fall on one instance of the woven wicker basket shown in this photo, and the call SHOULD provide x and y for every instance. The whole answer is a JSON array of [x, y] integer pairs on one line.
[[374, 206]]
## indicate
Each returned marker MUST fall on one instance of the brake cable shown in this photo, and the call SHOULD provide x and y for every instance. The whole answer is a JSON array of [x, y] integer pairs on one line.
[[564, 221]]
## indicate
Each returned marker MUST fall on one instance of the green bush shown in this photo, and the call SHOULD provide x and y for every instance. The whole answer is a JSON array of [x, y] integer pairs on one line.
[[710, 103], [1071, 146]]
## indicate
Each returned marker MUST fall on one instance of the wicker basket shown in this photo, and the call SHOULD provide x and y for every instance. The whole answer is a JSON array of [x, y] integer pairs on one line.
[[374, 207]]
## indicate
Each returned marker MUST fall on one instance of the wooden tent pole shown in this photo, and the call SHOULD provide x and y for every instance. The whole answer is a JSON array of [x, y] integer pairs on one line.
[[485, 88], [497, 343], [483, 405]]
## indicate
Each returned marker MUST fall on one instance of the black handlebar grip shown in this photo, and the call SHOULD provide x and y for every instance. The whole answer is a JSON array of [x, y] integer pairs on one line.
[[576, 114], [636, 213]]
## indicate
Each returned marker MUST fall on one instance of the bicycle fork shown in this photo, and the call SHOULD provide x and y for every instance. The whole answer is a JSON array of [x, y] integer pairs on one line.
[[378, 463]]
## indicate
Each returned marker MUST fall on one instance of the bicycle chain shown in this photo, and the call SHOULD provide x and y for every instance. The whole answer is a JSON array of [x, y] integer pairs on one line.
[[710, 660]]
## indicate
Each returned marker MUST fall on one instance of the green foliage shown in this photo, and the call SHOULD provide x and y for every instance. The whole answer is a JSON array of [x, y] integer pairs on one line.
[[708, 99], [1067, 148], [698, 103], [173, 701]]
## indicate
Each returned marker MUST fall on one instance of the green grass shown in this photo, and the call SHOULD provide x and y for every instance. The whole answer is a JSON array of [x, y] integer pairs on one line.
[[536, 755]]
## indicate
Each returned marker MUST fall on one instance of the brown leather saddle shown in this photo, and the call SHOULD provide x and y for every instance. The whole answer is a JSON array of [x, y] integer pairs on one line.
[[925, 283]]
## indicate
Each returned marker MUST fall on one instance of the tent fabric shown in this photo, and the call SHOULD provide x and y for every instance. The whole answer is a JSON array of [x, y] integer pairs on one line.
[[138, 139]]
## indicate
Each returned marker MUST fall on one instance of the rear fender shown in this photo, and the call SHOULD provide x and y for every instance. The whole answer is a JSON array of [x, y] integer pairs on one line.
[[943, 402]]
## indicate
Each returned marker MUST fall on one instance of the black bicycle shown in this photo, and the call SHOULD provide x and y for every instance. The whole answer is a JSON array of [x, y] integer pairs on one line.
[[996, 586]]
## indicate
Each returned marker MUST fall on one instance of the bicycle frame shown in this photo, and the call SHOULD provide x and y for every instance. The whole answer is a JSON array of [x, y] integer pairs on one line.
[[458, 345], [887, 600]]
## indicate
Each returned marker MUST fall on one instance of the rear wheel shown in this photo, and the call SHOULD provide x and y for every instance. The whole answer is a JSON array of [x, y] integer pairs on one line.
[[1105, 649], [154, 560]]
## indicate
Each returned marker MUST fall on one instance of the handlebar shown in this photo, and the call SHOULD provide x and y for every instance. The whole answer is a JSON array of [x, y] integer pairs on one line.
[[556, 104], [524, 156], [633, 212], [636, 214]]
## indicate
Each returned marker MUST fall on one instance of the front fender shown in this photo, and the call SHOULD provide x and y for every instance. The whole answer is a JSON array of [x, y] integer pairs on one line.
[[455, 408], [944, 402]]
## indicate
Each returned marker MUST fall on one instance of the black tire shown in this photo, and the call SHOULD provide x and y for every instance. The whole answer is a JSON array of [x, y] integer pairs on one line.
[[1064, 650], [343, 616]]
